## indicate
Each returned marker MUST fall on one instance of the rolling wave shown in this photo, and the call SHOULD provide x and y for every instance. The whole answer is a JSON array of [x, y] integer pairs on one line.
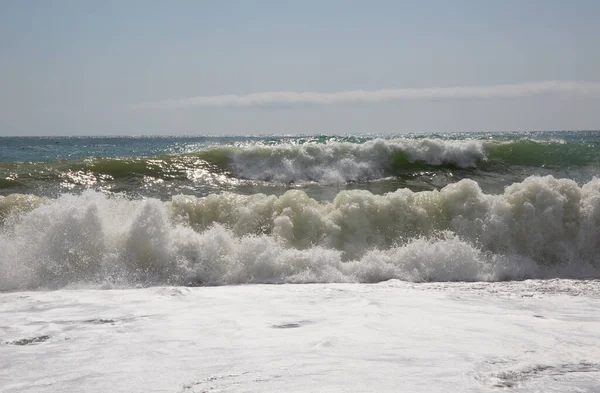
[[541, 227], [326, 163]]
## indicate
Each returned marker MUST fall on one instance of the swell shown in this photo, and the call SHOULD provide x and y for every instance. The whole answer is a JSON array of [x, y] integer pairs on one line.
[[541, 227], [328, 162]]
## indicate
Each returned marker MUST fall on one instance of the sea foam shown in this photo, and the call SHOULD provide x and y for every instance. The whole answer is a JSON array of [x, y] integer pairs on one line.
[[341, 162], [541, 227]]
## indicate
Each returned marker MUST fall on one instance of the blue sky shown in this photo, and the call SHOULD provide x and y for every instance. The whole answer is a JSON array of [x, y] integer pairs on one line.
[[108, 68]]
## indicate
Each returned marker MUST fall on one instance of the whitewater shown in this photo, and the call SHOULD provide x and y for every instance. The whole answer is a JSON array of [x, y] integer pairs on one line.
[[426, 263]]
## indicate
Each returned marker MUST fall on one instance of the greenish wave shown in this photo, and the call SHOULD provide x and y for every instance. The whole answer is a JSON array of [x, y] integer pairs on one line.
[[351, 160], [541, 154]]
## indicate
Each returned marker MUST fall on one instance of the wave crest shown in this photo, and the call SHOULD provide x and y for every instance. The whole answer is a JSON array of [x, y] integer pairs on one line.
[[341, 162], [326, 162]]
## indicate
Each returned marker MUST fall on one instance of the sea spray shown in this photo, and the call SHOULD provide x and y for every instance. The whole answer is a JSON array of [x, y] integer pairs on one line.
[[541, 227]]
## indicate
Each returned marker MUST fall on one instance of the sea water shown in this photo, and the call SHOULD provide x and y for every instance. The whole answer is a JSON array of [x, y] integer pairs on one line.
[[418, 263], [215, 211]]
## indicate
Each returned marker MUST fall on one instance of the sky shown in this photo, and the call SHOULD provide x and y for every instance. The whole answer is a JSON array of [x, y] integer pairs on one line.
[[144, 67]]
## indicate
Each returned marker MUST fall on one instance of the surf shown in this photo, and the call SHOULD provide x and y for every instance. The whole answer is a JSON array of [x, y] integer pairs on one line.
[[299, 162], [541, 227]]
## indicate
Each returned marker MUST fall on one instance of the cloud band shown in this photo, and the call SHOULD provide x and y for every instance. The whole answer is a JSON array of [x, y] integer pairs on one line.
[[291, 99]]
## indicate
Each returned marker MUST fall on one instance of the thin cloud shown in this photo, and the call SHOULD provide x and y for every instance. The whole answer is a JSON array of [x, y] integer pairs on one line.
[[291, 98]]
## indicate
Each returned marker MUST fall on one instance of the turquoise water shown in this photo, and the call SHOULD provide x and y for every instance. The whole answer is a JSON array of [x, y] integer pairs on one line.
[[47, 149]]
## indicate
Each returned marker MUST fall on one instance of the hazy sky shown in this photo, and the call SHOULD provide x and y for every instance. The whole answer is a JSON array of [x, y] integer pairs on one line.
[[287, 67]]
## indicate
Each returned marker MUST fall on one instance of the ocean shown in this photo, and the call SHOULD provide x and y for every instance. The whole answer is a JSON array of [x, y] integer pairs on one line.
[[432, 263], [213, 211]]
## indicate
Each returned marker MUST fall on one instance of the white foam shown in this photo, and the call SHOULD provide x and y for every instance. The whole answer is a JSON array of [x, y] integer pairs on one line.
[[541, 227], [528, 336], [339, 162]]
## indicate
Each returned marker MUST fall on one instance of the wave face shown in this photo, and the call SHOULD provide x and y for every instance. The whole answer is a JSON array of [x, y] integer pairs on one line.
[[269, 166], [342, 161], [379, 158], [540, 227]]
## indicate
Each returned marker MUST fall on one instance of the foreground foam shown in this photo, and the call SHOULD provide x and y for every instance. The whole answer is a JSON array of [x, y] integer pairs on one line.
[[542, 227]]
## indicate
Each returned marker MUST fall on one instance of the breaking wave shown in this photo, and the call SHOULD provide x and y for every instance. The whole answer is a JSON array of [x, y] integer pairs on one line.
[[328, 163], [541, 227]]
